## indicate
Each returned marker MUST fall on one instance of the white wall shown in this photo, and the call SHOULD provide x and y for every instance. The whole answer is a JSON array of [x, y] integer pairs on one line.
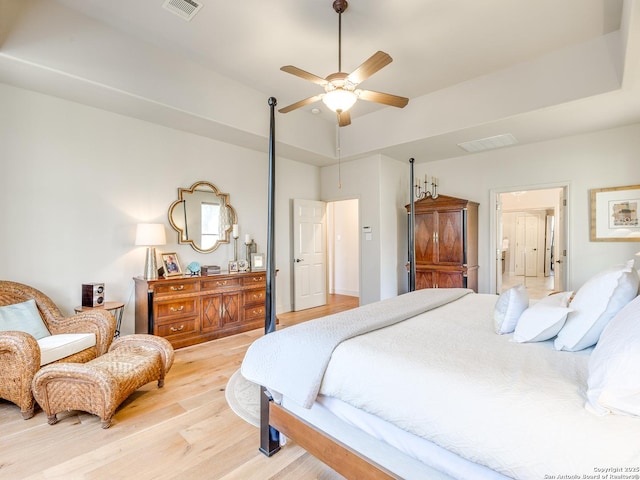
[[380, 183], [75, 180], [600, 159]]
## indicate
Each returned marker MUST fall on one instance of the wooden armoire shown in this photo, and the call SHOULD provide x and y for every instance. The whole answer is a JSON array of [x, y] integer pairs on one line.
[[446, 243]]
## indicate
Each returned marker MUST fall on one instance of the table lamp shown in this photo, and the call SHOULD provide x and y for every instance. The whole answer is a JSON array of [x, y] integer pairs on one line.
[[150, 235]]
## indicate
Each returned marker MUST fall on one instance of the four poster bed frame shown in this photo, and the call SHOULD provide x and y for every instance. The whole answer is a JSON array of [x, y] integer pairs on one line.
[[273, 417]]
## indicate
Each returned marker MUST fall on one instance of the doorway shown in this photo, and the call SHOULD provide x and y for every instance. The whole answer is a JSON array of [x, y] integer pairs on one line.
[[530, 229], [343, 247]]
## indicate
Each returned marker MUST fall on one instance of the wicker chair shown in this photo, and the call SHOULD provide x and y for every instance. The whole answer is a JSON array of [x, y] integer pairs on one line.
[[20, 353]]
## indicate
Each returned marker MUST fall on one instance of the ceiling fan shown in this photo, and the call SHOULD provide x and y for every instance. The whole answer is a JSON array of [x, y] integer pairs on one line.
[[340, 92]]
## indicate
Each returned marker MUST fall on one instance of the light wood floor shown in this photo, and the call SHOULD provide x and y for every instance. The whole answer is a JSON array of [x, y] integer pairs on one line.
[[184, 430]]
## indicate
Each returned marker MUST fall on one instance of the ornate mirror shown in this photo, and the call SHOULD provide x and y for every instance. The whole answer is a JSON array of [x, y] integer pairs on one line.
[[202, 216]]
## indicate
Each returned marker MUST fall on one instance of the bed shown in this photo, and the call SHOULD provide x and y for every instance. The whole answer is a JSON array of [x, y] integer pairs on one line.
[[447, 383], [425, 387]]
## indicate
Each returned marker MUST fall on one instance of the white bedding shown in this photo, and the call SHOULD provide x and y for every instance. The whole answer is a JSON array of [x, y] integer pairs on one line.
[[292, 361], [445, 375], [517, 408]]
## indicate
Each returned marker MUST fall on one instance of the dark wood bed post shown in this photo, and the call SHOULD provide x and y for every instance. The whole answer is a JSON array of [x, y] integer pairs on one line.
[[269, 436], [412, 246]]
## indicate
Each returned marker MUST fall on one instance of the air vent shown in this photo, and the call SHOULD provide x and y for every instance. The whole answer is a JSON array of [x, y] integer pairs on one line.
[[185, 9], [488, 143]]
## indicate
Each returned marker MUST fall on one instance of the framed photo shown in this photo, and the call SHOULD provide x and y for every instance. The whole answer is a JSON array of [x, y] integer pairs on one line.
[[233, 266], [258, 262], [614, 214], [171, 264]]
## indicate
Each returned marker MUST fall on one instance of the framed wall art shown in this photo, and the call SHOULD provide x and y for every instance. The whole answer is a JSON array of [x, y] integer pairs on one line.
[[258, 262], [233, 266], [614, 214], [171, 265]]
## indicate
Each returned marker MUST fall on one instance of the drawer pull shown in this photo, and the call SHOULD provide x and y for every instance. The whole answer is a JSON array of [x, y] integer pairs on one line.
[[256, 296], [177, 329], [224, 282], [179, 309], [178, 288], [258, 279], [258, 312]]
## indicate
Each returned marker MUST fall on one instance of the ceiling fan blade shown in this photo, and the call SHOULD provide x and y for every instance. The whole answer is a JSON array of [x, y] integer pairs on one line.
[[301, 103], [374, 63], [298, 72], [344, 119], [384, 98]]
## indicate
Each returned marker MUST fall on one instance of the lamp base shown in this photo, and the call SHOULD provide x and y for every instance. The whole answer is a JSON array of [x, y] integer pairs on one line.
[[150, 265]]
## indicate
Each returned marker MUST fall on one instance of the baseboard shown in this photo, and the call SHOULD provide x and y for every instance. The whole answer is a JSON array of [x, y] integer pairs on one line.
[[350, 293]]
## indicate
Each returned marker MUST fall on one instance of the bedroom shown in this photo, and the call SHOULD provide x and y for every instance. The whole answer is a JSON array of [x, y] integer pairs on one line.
[[79, 172]]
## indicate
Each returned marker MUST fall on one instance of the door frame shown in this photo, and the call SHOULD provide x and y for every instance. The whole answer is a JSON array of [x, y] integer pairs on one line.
[[495, 212]]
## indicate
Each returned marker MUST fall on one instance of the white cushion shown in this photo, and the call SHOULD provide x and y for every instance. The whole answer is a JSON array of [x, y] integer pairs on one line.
[[595, 303], [23, 317], [614, 366], [510, 305], [544, 319], [55, 347]]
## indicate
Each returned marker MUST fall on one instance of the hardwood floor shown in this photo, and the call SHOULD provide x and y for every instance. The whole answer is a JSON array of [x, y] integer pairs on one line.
[[184, 430]]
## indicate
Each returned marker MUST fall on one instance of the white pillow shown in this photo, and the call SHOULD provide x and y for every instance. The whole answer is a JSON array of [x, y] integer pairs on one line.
[[614, 365], [544, 319], [510, 305], [595, 303], [23, 317]]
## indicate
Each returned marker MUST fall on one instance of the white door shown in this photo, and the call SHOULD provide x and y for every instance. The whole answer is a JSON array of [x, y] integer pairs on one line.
[[500, 257], [520, 248], [526, 245], [559, 247], [531, 247], [548, 244], [310, 254]]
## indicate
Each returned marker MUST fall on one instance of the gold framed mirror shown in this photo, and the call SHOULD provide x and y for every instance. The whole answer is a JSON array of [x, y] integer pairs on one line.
[[202, 216]]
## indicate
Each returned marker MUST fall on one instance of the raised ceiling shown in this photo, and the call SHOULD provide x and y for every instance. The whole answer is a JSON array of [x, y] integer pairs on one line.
[[472, 69]]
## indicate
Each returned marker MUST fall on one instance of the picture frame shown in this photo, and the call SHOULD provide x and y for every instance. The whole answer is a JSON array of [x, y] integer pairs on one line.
[[614, 214], [258, 262], [171, 264], [233, 266]]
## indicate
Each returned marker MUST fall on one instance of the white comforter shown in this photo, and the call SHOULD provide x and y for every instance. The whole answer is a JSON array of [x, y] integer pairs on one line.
[[292, 361], [445, 375], [517, 408]]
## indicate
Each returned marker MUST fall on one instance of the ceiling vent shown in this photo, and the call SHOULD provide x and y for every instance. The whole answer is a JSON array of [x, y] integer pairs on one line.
[[185, 9], [488, 143]]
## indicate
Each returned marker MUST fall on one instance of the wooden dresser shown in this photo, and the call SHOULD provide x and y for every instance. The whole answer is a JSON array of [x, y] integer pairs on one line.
[[190, 310], [446, 243]]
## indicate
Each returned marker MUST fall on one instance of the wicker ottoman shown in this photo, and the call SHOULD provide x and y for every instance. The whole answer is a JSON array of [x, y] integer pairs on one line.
[[101, 385]]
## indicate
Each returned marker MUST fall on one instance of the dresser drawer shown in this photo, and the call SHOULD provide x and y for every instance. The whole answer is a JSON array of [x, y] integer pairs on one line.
[[254, 313], [218, 283], [178, 327], [255, 295], [256, 278], [174, 308], [175, 288]]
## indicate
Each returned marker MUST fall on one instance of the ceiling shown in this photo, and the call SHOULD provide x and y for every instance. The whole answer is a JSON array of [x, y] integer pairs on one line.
[[538, 70]]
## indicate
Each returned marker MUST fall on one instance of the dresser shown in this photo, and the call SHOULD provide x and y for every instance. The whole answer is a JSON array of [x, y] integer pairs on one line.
[[446, 243], [190, 310]]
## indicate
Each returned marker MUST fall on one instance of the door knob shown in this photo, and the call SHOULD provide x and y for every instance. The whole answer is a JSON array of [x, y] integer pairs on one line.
[[298, 260]]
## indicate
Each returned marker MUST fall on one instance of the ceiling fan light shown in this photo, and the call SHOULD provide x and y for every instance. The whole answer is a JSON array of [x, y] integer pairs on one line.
[[339, 99]]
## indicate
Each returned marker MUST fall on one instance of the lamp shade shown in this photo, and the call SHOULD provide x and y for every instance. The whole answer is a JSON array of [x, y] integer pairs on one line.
[[339, 99], [150, 234]]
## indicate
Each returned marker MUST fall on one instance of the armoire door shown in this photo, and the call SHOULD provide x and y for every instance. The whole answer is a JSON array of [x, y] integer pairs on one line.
[[450, 239]]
